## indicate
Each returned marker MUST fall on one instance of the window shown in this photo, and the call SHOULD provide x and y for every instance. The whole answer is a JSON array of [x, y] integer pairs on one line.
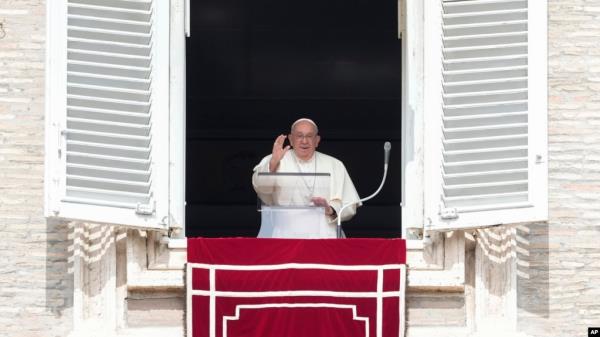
[[258, 66], [485, 112], [474, 102], [107, 152]]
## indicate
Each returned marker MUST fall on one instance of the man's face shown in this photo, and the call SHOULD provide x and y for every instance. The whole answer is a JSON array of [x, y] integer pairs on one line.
[[304, 140]]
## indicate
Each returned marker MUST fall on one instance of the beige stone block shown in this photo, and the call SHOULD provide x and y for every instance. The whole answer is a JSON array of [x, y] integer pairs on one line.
[[155, 312], [436, 309]]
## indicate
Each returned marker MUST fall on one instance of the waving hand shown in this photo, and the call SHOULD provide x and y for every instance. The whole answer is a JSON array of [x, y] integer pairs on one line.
[[278, 152]]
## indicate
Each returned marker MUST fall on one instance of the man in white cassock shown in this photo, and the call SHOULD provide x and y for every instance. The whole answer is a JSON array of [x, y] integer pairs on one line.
[[303, 158]]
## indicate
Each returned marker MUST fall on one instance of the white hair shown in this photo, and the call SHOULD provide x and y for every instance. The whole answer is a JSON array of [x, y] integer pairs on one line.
[[310, 121]]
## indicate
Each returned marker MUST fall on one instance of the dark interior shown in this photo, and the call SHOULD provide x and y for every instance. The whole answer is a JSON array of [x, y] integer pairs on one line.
[[253, 67]]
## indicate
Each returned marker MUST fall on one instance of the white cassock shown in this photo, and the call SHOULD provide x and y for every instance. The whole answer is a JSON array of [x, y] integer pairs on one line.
[[301, 223]]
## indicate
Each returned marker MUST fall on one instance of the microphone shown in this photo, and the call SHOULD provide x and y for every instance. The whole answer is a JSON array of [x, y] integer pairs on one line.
[[386, 148], [386, 157]]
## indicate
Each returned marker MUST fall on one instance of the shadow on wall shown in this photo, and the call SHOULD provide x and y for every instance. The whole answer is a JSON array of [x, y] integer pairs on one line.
[[59, 267], [522, 250], [83, 257], [511, 264], [533, 282], [495, 266]]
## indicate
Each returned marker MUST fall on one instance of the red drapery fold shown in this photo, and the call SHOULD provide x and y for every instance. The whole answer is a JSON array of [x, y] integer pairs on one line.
[[290, 287]]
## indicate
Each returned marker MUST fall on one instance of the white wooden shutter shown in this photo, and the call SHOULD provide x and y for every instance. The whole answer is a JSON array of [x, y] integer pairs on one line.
[[486, 112], [108, 112]]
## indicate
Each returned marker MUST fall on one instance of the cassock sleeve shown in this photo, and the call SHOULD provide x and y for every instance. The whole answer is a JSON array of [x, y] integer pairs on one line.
[[343, 192]]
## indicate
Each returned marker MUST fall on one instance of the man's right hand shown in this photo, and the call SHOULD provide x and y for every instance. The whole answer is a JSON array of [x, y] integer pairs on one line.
[[278, 152]]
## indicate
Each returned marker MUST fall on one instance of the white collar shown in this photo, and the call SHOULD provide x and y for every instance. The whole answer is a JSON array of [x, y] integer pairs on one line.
[[302, 161]]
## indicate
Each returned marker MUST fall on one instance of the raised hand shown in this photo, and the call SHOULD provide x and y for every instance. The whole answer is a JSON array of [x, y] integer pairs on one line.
[[278, 152]]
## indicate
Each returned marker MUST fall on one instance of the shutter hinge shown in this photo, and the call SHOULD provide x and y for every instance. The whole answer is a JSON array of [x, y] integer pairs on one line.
[[148, 209], [62, 139], [448, 213], [539, 159]]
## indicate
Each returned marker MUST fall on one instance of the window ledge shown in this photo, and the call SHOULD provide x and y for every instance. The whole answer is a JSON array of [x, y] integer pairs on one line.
[[151, 332], [157, 279], [414, 244], [177, 243], [182, 244]]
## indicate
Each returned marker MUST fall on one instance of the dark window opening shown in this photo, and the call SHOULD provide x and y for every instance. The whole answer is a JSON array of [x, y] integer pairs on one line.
[[253, 67]]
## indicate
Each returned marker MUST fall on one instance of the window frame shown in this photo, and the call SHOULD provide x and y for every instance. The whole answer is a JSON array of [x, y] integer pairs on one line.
[[413, 125], [413, 28], [537, 210], [55, 137]]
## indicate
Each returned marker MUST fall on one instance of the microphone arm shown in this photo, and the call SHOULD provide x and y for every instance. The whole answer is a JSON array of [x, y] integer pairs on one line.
[[386, 148]]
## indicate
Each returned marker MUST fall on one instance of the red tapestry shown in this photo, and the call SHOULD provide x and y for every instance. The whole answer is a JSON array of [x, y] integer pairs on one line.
[[289, 287]]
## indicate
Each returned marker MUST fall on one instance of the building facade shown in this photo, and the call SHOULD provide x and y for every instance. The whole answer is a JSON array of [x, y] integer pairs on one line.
[[61, 278]]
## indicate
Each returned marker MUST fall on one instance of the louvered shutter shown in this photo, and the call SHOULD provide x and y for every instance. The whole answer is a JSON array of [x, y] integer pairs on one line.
[[486, 112], [109, 111]]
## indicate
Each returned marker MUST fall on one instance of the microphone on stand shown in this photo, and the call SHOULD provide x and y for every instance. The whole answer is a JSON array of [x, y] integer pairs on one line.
[[386, 159], [386, 153]]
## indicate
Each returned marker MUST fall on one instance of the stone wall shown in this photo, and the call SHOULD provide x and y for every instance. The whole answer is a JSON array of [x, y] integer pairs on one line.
[[557, 264], [36, 288], [56, 278], [573, 236]]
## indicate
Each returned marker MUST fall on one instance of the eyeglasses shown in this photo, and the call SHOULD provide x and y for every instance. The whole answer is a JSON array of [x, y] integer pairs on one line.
[[309, 137]]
